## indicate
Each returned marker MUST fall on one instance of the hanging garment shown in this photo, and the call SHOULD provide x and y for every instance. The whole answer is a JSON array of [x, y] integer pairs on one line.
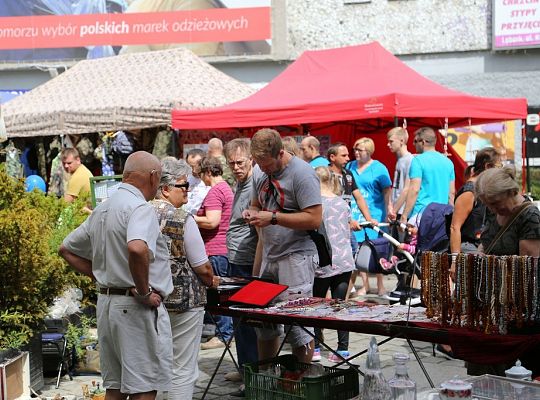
[[14, 167], [57, 182], [163, 144]]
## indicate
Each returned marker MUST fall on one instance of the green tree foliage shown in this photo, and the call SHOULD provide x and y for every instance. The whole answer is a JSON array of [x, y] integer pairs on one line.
[[32, 226]]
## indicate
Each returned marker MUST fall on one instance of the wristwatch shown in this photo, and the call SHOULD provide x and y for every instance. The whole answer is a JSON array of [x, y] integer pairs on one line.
[[144, 296], [273, 221]]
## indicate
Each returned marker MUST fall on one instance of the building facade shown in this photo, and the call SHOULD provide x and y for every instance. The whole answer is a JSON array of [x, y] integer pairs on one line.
[[449, 41]]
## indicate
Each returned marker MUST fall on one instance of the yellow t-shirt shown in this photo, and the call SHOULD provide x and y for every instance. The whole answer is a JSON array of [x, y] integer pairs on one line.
[[79, 183]]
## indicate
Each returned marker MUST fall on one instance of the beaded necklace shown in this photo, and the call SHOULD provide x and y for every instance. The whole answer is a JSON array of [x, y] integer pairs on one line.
[[490, 292]]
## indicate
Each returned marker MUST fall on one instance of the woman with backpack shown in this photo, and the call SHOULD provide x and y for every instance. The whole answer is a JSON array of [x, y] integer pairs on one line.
[[334, 277]]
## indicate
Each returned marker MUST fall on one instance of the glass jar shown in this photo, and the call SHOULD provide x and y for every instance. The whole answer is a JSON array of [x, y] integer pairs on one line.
[[402, 387]]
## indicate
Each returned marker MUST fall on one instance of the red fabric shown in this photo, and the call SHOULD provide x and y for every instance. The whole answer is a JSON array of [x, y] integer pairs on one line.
[[365, 84], [479, 348], [258, 293], [498, 349]]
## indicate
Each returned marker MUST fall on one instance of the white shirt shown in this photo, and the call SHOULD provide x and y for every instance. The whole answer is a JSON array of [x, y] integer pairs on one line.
[[104, 236]]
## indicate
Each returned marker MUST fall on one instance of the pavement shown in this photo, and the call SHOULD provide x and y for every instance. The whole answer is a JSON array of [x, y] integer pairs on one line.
[[439, 368]]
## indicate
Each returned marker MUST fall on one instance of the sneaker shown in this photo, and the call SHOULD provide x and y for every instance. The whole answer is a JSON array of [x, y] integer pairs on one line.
[[448, 354], [343, 355], [316, 355], [213, 343], [385, 264]]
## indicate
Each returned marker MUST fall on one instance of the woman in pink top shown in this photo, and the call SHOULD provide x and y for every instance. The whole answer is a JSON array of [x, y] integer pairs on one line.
[[213, 220]]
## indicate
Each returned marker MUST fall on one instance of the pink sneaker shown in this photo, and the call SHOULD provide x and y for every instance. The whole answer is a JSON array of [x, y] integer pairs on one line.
[[343, 355], [385, 264]]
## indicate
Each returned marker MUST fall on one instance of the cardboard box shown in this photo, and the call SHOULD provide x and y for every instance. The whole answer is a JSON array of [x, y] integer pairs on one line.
[[15, 377]]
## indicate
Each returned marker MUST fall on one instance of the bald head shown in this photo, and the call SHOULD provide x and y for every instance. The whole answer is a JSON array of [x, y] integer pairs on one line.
[[143, 170], [141, 161], [215, 147], [309, 148]]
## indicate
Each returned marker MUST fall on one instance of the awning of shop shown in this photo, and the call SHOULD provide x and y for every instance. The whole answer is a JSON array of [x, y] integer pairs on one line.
[[130, 91]]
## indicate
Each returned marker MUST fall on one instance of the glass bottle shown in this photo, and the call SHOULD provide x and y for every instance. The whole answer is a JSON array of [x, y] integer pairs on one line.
[[375, 386], [402, 387]]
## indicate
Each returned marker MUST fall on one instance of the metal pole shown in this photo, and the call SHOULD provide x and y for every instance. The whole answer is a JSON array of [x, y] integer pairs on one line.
[[525, 153]]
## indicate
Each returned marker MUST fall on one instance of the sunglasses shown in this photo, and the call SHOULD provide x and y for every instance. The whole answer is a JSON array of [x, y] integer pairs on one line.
[[184, 185]]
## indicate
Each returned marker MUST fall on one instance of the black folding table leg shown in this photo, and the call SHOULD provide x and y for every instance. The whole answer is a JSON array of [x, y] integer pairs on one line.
[[420, 363], [61, 365], [225, 350]]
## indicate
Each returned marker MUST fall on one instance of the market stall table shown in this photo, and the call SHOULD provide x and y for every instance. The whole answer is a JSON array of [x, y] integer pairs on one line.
[[394, 321]]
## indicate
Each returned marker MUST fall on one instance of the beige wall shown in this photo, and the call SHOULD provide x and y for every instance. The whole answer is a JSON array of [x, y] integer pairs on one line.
[[401, 26]]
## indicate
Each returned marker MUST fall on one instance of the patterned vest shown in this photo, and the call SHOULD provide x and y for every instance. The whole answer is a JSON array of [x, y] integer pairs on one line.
[[189, 291]]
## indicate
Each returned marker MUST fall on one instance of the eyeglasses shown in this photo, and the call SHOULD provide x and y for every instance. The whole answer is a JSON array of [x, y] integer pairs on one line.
[[238, 163], [184, 185], [357, 150]]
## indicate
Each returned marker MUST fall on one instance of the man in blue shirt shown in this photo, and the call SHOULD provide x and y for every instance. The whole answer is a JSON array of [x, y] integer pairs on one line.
[[310, 150], [431, 177]]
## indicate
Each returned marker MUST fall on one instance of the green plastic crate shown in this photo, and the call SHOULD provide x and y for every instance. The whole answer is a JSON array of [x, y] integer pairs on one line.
[[336, 384]]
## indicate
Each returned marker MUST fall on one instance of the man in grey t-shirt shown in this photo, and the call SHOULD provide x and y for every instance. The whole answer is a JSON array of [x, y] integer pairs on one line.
[[286, 204], [242, 238], [397, 143]]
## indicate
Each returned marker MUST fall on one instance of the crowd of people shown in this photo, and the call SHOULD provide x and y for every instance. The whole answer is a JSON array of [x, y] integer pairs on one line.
[[247, 209]]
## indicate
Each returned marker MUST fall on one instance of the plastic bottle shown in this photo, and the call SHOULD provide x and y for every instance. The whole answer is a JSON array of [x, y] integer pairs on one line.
[[402, 387], [375, 386]]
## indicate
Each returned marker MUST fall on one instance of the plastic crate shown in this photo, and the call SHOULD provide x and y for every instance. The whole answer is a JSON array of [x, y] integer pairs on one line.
[[336, 384]]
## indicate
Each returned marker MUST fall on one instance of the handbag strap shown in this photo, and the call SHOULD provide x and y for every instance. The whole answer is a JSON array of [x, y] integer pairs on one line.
[[517, 213]]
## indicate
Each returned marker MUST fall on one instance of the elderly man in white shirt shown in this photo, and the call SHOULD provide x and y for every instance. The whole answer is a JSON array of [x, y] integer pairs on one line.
[[120, 246]]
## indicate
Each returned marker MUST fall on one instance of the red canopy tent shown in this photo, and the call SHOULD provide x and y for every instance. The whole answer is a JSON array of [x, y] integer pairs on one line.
[[349, 92]]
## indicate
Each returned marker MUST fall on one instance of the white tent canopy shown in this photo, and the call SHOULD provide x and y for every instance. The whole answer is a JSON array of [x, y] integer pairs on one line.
[[129, 91]]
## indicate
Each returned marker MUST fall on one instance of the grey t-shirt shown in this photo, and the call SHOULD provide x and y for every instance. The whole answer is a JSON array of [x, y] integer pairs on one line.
[[400, 176], [294, 188], [242, 237]]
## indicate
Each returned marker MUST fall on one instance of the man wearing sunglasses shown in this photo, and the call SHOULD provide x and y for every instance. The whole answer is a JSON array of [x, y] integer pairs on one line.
[[286, 204]]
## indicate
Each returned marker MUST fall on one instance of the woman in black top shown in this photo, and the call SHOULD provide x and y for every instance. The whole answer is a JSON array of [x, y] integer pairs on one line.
[[470, 213], [468, 217]]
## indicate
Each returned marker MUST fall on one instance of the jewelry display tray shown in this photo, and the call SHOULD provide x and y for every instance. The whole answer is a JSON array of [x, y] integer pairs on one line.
[[491, 387]]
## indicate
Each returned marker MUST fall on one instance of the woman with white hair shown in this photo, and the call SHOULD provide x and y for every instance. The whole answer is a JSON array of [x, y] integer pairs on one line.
[[514, 228], [191, 271]]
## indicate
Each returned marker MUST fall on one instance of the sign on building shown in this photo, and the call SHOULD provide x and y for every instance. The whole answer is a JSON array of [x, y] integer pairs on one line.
[[73, 29], [516, 24]]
